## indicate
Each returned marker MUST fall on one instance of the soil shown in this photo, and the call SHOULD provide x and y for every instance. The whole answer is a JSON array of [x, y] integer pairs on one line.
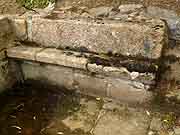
[[28, 109], [168, 4], [10, 7]]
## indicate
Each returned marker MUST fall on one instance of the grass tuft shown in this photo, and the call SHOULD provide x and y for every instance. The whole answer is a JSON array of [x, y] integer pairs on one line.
[[30, 4]]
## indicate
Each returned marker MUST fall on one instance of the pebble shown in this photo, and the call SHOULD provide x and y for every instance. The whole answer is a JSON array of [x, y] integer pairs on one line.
[[134, 75]]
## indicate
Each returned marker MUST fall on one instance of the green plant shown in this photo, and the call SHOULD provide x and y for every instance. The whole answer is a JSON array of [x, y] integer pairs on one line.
[[29, 4]]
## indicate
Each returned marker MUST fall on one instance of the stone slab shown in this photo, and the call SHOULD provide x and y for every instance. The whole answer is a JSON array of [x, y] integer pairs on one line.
[[54, 56], [76, 60], [48, 55], [23, 52], [126, 38], [74, 79]]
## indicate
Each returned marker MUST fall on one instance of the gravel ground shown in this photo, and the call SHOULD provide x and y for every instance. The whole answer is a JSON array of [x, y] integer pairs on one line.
[[11, 6], [168, 4]]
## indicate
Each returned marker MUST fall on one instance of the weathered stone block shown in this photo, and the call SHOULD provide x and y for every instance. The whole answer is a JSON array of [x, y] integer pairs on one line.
[[19, 26], [127, 38]]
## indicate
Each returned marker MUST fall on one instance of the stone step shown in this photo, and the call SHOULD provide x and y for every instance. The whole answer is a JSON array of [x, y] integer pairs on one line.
[[76, 60], [70, 70], [96, 85]]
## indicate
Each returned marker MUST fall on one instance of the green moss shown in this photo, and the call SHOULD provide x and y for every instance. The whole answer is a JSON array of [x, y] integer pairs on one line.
[[29, 4]]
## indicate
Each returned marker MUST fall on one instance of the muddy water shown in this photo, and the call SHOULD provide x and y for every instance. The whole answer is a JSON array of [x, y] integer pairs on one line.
[[28, 110]]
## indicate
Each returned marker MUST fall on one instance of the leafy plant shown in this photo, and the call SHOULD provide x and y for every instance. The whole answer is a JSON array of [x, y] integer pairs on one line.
[[30, 4]]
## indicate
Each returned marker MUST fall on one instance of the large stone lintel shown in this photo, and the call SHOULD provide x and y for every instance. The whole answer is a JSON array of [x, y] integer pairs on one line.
[[143, 38], [128, 38]]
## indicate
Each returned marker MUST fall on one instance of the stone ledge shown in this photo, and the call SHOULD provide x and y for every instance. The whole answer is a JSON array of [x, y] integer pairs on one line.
[[78, 61], [92, 85], [47, 55]]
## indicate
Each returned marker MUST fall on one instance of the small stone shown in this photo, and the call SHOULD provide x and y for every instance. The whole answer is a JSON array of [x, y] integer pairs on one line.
[[156, 124], [130, 8], [148, 113], [134, 75], [34, 117], [100, 11], [60, 133], [151, 133], [138, 85], [98, 99]]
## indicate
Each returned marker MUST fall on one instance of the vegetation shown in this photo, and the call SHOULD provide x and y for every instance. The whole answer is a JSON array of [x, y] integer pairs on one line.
[[29, 4]]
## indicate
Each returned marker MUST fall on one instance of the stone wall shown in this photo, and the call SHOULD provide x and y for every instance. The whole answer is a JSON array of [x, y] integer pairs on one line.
[[94, 51], [84, 82], [117, 58]]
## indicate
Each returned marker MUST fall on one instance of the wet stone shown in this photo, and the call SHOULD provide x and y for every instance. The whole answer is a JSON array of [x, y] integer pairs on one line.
[[84, 118]]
